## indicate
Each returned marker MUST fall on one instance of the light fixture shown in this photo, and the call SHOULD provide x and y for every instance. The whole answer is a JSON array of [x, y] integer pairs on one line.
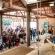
[[51, 5]]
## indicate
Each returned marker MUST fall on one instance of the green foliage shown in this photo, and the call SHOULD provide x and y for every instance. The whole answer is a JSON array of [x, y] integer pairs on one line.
[[6, 22]]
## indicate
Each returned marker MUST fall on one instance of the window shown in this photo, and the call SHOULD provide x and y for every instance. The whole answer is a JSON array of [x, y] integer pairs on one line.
[[31, 1]]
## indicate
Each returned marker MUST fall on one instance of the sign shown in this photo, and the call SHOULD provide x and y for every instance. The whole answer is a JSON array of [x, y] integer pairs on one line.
[[46, 26]]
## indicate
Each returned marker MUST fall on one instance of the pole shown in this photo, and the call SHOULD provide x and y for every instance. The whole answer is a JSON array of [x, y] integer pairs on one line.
[[23, 22], [28, 27], [38, 23], [54, 26], [37, 26]]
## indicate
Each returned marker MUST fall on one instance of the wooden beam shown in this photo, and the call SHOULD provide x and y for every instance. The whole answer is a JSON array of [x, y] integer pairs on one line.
[[18, 8], [45, 10], [9, 10], [23, 2], [10, 3], [13, 7], [21, 12], [13, 15], [43, 4], [41, 14], [18, 16]]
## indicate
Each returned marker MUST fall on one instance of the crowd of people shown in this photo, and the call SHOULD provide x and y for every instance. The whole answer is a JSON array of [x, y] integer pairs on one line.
[[11, 38]]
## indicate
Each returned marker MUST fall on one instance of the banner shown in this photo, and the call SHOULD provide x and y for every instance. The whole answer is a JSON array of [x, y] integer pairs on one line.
[[46, 26]]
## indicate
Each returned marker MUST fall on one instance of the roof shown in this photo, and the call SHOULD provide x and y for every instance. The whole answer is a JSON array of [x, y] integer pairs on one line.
[[17, 8]]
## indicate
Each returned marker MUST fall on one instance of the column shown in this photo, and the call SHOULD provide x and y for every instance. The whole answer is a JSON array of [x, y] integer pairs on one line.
[[10, 3], [37, 28], [23, 22], [0, 24], [54, 25], [54, 20], [28, 28], [1, 4]]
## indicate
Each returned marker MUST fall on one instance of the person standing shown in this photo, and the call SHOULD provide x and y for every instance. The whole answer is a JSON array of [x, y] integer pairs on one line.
[[0, 42], [31, 34], [43, 31], [50, 31]]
